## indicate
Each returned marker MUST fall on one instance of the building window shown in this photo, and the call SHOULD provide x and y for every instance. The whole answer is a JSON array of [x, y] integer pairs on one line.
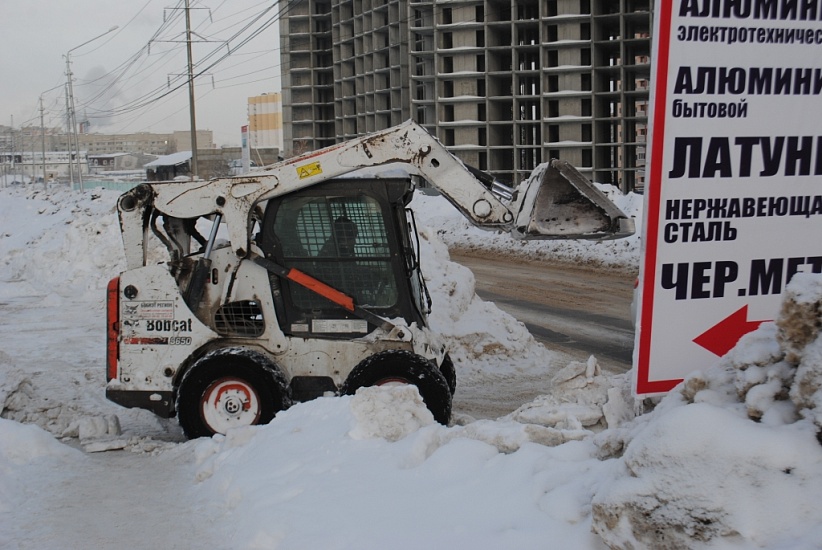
[[448, 64], [449, 136], [447, 40], [448, 113], [446, 16]]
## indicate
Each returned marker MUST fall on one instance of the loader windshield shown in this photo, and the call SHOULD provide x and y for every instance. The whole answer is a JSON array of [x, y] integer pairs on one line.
[[342, 241], [350, 235]]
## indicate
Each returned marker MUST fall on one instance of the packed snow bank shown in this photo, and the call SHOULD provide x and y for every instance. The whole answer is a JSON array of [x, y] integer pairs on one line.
[[327, 465], [481, 338], [729, 457], [59, 241], [27, 454]]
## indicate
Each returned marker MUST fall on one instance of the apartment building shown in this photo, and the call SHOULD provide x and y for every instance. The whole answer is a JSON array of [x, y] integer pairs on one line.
[[504, 84], [265, 121]]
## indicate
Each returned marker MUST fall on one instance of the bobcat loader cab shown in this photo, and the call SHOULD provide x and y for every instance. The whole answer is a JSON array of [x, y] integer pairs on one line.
[[317, 290]]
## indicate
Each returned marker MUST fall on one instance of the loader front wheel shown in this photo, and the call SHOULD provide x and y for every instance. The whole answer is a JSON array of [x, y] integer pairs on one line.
[[225, 390], [403, 367]]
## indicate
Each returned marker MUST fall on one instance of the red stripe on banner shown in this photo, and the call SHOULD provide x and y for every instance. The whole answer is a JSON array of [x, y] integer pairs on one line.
[[644, 385]]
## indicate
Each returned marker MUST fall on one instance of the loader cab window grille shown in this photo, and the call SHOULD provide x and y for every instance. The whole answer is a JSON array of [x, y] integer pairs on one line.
[[242, 318], [343, 242]]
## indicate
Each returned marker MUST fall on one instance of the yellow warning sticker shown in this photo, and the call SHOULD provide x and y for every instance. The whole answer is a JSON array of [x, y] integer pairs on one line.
[[308, 170]]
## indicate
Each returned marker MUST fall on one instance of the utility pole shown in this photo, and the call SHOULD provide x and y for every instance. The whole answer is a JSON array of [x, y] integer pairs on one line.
[[191, 95], [12, 148], [69, 133], [72, 116], [73, 122], [43, 135]]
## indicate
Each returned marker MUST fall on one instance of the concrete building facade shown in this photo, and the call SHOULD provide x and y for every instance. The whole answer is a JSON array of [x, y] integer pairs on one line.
[[504, 84]]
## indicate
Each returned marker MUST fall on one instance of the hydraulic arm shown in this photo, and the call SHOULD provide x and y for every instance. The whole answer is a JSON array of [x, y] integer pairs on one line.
[[556, 202]]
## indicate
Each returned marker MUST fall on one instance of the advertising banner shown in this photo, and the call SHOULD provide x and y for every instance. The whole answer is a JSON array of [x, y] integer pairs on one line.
[[733, 205]]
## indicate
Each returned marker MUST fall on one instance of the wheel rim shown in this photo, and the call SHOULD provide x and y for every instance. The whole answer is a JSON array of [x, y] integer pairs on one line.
[[230, 403]]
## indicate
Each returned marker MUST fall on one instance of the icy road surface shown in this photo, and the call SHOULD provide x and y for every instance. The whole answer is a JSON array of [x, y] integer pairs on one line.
[[572, 309]]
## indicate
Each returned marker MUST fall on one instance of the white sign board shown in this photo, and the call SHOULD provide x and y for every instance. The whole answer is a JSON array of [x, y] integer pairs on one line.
[[733, 205], [246, 150]]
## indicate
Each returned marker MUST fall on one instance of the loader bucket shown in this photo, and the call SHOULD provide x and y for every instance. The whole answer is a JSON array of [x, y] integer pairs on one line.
[[560, 203]]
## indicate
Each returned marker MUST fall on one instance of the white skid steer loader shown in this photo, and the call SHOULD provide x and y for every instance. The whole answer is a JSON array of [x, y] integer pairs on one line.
[[318, 288]]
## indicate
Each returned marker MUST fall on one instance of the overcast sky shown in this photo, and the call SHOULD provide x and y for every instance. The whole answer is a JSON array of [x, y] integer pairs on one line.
[[120, 79]]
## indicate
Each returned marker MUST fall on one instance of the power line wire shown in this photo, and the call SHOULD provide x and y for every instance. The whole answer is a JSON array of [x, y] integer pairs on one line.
[[176, 83]]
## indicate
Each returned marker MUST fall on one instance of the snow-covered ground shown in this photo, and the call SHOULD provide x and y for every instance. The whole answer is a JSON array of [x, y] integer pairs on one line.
[[730, 459]]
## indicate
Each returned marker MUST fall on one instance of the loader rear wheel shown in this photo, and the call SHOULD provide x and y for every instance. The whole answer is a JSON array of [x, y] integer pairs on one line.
[[229, 389], [403, 367]]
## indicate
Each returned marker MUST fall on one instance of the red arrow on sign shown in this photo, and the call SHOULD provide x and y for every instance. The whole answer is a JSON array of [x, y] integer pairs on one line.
[[723, 336]]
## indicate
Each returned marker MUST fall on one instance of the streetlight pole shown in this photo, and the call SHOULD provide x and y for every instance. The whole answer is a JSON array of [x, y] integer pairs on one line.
[[71, 114], [43, 128], [69, 132]]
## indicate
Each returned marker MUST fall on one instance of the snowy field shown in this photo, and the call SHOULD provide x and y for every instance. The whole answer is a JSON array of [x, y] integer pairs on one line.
[[731, 459]]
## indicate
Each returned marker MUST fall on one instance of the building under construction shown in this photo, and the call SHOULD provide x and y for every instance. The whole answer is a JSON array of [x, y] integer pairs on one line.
[[504, 84]]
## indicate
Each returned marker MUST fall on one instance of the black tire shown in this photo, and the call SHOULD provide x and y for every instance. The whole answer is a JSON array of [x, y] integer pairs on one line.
[[229, 388], [405, 367], [449, 372]]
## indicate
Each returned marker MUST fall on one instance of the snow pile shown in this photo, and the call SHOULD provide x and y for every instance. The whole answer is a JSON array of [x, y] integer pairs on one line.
[[312, 479], [729, 459], [390, 415], [24, 444], [59, 250], [59, 241], [581, 398], [479, 334], [730, 455], [26, 454]]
